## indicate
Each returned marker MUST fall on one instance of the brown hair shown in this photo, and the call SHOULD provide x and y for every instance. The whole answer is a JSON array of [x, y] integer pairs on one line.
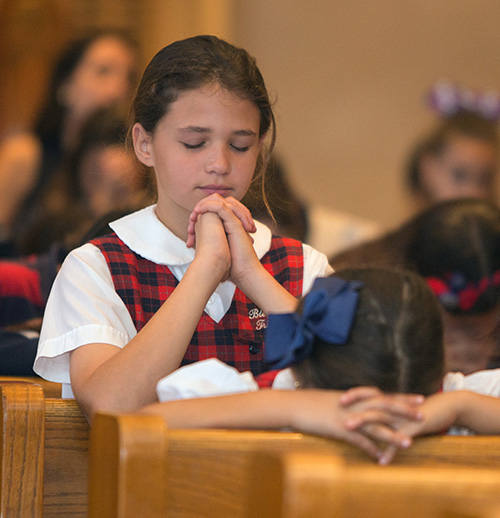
[[192, 63], [459, 236], [396, 342]]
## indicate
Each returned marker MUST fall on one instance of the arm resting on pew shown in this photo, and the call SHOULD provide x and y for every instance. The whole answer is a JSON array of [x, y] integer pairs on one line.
[[310, 411]]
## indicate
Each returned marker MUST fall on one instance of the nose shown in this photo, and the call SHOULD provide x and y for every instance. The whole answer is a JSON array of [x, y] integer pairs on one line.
[[218, 161]]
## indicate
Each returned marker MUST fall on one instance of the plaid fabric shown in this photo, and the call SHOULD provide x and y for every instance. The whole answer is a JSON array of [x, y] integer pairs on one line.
[[238, 339]]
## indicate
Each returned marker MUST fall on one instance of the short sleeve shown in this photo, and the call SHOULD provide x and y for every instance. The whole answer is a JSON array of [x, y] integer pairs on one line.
[[83, 308]]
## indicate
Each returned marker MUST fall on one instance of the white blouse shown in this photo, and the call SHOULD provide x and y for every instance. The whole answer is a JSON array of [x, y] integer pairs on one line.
[[83, 306]]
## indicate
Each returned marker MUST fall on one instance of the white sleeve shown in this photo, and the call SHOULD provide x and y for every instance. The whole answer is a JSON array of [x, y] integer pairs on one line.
[[485, 382], [205, 378], [315, 265], [83, 308]]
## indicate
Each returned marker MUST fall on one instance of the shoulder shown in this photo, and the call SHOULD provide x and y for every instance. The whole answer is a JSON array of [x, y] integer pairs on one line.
[[315, 265], [81, 265]]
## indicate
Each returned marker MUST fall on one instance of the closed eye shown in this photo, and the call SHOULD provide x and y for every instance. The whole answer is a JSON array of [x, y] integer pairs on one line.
[[193, 146], [240, 149]]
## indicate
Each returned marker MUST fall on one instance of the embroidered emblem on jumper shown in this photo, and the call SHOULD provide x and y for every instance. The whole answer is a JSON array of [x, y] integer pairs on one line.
[[259, 314]]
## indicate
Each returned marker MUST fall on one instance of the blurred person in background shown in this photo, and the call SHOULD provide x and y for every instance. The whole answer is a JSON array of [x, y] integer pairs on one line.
[[101, 174], [325, 229], [459, 156], [455, 247], [96, 71]]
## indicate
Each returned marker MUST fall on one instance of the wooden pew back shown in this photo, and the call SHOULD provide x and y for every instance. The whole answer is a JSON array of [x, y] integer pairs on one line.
[[140, 468], [21, 449], [65, 469], [136, 464], [50, 389], [44, 454], [205, 472], [298, 485]]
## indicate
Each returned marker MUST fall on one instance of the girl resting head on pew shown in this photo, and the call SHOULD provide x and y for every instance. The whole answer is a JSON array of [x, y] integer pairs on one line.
[[357, 335]]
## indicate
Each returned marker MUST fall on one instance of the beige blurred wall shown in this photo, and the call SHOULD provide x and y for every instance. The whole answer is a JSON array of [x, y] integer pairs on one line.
[[350, 76]]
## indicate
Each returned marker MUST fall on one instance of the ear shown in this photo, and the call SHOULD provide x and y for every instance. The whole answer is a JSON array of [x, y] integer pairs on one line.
[[142, 145]]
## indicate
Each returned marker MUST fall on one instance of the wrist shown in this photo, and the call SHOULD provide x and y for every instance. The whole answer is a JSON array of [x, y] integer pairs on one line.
[[266, 292], [462, 403], [211, 265]]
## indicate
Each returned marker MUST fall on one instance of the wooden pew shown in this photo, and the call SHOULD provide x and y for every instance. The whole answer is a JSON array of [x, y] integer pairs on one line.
[[65, 469], [21, 449], [139, 468], [50, 389], [136, 466], [205, 472], [44, 454], [299, 485]]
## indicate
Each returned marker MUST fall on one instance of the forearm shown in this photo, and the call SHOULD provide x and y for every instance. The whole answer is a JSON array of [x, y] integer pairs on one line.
[[442, 411], [478, 412], [309, 411], [266, 292], [264, 409]]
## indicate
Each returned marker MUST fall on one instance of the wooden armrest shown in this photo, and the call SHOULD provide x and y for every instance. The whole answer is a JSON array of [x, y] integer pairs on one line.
[[21, 449], [128, 473], [50, 389], [303, 484]]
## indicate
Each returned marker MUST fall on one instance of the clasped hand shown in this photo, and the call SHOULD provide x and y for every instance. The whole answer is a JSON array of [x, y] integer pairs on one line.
[[220, 228]]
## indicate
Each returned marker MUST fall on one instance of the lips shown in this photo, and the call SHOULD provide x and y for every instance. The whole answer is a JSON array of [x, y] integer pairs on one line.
[[223, 190]]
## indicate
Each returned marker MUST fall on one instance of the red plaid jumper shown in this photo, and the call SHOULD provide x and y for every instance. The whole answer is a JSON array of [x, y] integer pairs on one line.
[[238, 339]]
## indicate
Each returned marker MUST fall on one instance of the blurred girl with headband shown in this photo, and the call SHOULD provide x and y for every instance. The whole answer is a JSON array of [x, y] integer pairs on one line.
[[459, 157]]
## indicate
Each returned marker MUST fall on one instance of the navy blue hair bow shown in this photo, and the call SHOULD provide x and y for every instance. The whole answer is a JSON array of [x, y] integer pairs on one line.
[[327, 313]]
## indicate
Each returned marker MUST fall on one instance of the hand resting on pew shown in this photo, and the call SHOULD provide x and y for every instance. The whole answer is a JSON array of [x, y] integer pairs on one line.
[[311, 411]]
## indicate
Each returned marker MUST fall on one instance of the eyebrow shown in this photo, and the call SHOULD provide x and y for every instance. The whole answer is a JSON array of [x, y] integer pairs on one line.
[[200, 129]]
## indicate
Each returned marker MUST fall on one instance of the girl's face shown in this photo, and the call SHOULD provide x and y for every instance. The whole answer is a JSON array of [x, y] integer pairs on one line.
[[465, 168], [208, 142], [105, 75]]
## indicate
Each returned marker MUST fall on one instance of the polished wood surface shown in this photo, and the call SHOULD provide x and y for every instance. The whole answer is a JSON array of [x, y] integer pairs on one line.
[[67, 435], [140, 468], [50, 389], [21, 452], [299, 485], [44, 454], [212, 473]]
